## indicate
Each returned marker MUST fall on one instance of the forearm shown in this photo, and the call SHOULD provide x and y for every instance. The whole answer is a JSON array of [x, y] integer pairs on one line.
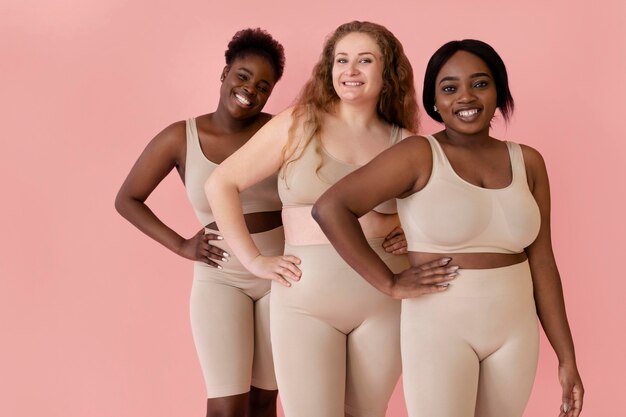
[[551, 311], [226, 206], [344, 231], [140, 215]]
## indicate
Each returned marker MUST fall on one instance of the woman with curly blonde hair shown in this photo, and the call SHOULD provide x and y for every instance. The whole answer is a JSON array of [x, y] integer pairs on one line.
[[335, 337]]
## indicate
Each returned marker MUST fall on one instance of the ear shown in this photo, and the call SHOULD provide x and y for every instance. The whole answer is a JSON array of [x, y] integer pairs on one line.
[[224, 73]]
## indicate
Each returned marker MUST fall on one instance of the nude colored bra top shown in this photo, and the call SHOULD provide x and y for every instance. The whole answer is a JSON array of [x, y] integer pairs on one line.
[[262, 196], [450, 215], [300, 185]]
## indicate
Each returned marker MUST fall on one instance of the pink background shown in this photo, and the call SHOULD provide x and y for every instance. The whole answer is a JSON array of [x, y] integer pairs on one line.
[[94, 315]]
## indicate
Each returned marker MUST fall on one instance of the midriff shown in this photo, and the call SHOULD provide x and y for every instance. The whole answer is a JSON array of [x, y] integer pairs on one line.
[[301, 229], [470, 260], [258, 222]]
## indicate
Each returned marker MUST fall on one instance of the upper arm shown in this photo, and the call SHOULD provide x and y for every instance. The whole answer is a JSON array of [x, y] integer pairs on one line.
[[156, 161], [541, 249], [396, 172], [260, 157]]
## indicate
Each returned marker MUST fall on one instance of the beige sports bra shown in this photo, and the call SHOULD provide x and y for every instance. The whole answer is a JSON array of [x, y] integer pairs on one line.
[[450, 215], [262, 196], [300, 185]]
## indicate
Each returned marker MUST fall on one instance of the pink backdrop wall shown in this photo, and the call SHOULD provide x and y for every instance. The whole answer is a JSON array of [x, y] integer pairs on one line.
[[94, 315]]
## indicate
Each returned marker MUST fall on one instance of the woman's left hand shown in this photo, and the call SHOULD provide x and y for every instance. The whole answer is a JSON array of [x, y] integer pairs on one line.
[[573, 391], [395, 242]]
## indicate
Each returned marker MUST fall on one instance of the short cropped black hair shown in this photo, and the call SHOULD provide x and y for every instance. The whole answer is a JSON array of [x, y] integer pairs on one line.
[[482, 50], [257, 41]]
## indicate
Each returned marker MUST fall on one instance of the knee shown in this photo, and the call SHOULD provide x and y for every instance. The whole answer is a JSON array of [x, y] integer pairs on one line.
[[232, 406], [262, 402]]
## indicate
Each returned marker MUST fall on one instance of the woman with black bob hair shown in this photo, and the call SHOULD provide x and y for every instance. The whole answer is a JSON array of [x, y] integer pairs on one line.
[[470, 345], [229, 306]]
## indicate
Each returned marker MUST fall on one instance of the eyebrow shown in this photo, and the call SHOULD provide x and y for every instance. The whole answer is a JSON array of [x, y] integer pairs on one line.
[[475, 75], [359, 54], [246, 70]]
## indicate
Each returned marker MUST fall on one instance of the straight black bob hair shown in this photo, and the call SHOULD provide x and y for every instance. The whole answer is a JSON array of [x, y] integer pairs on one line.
[[482, 50]]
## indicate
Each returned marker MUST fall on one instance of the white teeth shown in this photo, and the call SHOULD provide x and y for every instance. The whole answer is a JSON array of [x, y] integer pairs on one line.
[[468, 113], [353, 83], [242, 99]]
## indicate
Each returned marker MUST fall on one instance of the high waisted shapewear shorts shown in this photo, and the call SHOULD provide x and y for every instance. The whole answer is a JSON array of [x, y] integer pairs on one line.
[[335, 337], [471, 350], [230, 321]]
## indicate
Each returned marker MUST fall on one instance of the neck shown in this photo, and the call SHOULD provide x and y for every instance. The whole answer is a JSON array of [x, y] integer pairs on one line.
[[469, 140], [357, 115], [229, 124]]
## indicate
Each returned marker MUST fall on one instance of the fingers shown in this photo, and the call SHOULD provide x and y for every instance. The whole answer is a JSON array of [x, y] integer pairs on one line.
[[434, 264], [209, 262], [288, 269], [436, 275], [395, 232], [422, 290], [572, 400], [401, 251], [395, 244], [281, 280], [576, 401], [215, 253], [212, 236], [208, 252]]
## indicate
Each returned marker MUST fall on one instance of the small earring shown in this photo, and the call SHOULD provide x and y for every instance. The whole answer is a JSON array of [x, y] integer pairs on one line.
[[222, 78], [435, 108]]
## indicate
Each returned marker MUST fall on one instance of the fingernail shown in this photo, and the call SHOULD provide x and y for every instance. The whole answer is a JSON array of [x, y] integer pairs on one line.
[[444, 285], [446, 260], [453, 275], [220, 238], [226, 254], [224, 260], [219, 267], [565, 407], [453, 269]]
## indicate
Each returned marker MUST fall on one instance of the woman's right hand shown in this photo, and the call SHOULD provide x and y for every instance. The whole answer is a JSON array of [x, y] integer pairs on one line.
[[276, 268], [427, 278], [198, 248]]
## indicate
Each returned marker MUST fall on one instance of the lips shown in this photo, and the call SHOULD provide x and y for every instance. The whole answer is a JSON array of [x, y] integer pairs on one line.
[[243, 100], [468, 114]]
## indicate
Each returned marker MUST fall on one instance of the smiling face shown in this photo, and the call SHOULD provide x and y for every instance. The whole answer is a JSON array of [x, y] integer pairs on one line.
[[247, 84], [357, 68], [465, 94]]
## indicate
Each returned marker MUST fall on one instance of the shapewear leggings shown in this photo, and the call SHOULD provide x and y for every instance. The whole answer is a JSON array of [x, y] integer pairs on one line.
[[336, 339], [230, 321], [471, 350]]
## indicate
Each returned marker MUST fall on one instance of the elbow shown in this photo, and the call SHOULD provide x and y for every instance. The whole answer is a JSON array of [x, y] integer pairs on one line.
[[120, 204], [320, 210]]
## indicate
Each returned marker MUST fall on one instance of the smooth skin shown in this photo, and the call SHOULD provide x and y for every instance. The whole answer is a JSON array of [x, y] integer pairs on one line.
[[466, 99], [246, 85]]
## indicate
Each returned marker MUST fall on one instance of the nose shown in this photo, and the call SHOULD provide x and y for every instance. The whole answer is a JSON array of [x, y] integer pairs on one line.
[[250, 88], [352, 69], [466, 95]]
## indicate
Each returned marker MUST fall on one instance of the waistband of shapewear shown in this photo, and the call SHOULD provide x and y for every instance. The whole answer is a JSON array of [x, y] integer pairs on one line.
[[513, 280], [270, 243]]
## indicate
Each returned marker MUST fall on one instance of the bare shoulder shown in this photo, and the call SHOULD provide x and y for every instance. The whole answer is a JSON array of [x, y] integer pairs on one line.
[[532, 158], [169, 145], [173, 135], [284, 117], [415, 146]]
